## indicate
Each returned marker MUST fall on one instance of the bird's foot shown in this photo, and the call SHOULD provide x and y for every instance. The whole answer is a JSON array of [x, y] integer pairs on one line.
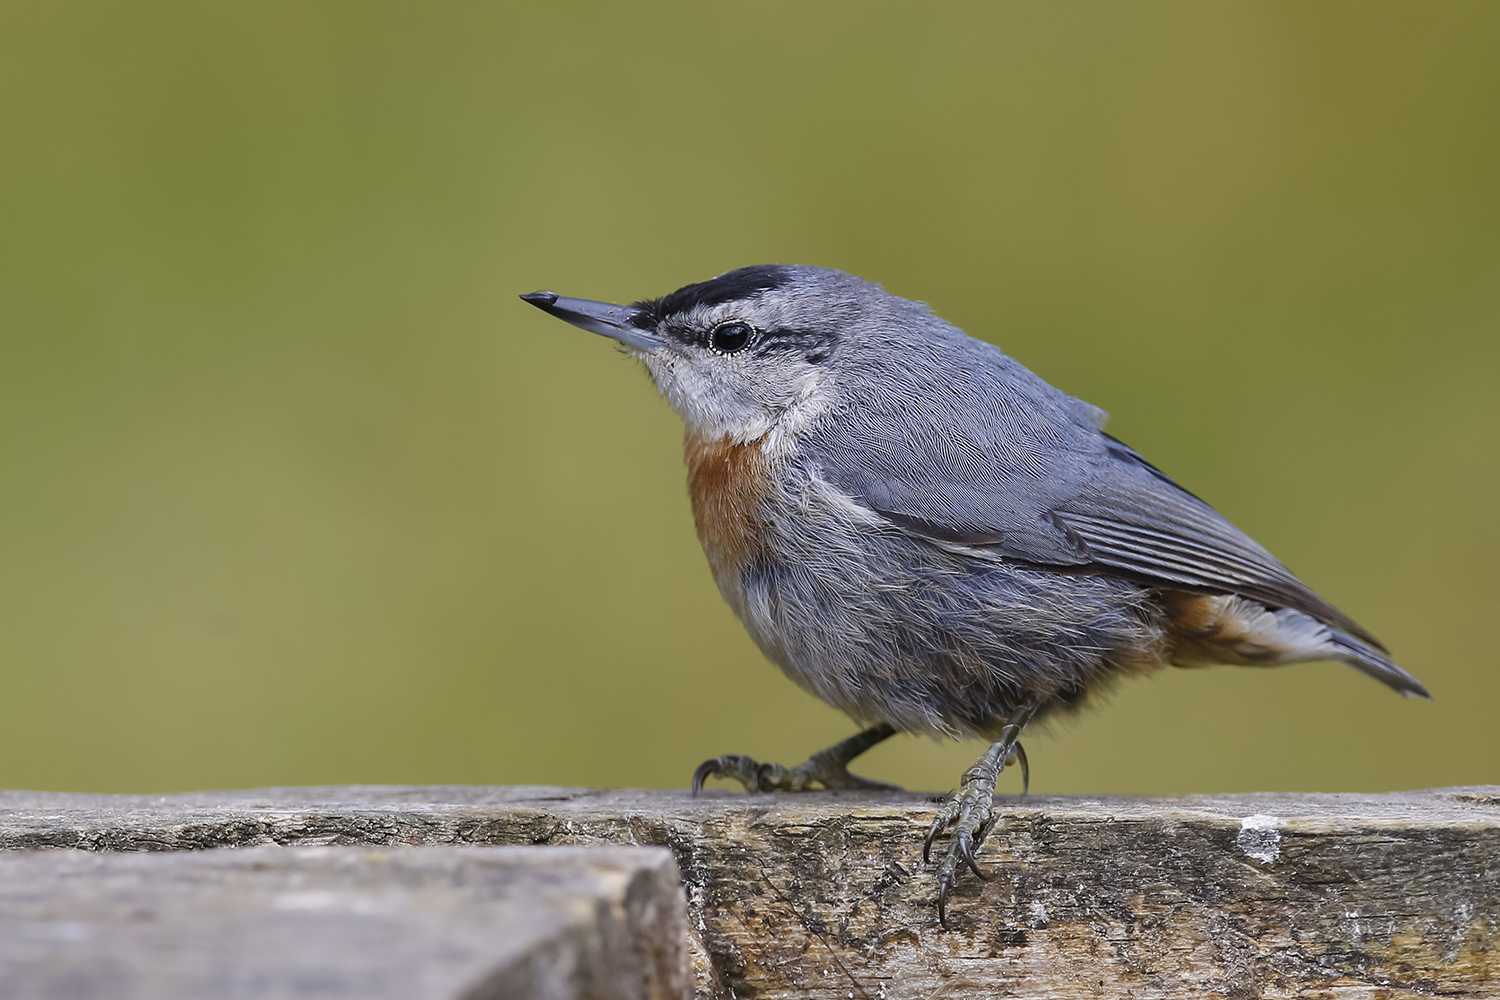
[[969, 811], [758, 777], [827, 769]]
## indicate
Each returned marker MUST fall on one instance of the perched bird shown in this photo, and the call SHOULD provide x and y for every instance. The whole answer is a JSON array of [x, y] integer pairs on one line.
[[927, 536]]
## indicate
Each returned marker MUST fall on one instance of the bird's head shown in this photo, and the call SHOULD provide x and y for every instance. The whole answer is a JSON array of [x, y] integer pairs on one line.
[[752, 352]]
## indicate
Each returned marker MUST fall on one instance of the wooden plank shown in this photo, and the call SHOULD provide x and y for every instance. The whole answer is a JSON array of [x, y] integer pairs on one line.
[[362, 923], [824, 895]]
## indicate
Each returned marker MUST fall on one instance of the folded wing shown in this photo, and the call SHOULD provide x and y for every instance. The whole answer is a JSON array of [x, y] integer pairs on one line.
[[1135, 520], [1032, 478]]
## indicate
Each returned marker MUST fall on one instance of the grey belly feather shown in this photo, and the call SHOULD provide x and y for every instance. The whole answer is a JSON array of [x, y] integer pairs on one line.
[[891, 628]]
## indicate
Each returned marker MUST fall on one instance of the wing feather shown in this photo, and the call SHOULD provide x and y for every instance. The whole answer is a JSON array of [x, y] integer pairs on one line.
[[1136, 520], [1005, 462]]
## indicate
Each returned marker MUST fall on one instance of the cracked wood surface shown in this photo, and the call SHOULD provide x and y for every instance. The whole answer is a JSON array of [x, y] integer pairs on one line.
[[824, 895]]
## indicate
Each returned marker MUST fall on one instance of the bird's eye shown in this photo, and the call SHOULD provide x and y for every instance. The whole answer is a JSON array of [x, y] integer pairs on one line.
[[726, 338]]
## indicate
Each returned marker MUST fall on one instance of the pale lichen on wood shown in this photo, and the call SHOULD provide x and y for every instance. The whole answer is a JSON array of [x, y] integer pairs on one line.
[[825, 895]]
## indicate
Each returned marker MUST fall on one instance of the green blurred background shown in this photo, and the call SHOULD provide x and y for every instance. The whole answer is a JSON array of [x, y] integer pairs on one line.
[[293, 489]]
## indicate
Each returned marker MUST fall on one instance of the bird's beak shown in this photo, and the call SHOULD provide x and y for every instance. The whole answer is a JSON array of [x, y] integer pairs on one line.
[[603, 318]]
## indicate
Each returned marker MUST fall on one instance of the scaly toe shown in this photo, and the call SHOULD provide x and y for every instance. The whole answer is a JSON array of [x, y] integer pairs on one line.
[[970, 813], [745, 770], [940, 822]]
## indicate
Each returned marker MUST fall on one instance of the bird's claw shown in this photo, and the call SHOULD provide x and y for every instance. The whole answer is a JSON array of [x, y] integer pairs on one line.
[[746, 770], [705, 770], [1020, 757], [969, 811], [819, 771], [758, 777]]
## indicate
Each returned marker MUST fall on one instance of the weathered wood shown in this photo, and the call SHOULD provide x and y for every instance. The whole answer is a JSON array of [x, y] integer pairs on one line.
[[825, 895], [362, 923]]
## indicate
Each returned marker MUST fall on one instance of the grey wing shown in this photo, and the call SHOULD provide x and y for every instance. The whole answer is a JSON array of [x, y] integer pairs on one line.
[[1048, 488], [1135, 520], [994, 456], [967, 508]]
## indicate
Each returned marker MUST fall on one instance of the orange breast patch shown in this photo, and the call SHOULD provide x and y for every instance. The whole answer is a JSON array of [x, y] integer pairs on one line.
[[726, 482]]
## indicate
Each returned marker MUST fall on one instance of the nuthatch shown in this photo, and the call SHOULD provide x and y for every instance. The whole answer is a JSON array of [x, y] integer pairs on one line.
[[926, 535]]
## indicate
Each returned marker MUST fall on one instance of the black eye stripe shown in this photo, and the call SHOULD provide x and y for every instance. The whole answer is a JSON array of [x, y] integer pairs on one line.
[[814, 345], [725, 338]]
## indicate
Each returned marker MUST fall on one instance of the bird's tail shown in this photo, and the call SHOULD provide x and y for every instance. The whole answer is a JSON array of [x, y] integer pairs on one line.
[[1369, 660]]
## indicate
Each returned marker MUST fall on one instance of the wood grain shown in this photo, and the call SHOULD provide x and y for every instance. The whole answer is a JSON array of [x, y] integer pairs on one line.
[[824, 895]]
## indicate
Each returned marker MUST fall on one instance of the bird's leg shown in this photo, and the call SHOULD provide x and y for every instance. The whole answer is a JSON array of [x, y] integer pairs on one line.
[[827, 768], [968, 809]]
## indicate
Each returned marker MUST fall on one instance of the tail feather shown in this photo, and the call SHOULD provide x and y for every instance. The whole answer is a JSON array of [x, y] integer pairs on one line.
[[1368, 660], [1228, 628]]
